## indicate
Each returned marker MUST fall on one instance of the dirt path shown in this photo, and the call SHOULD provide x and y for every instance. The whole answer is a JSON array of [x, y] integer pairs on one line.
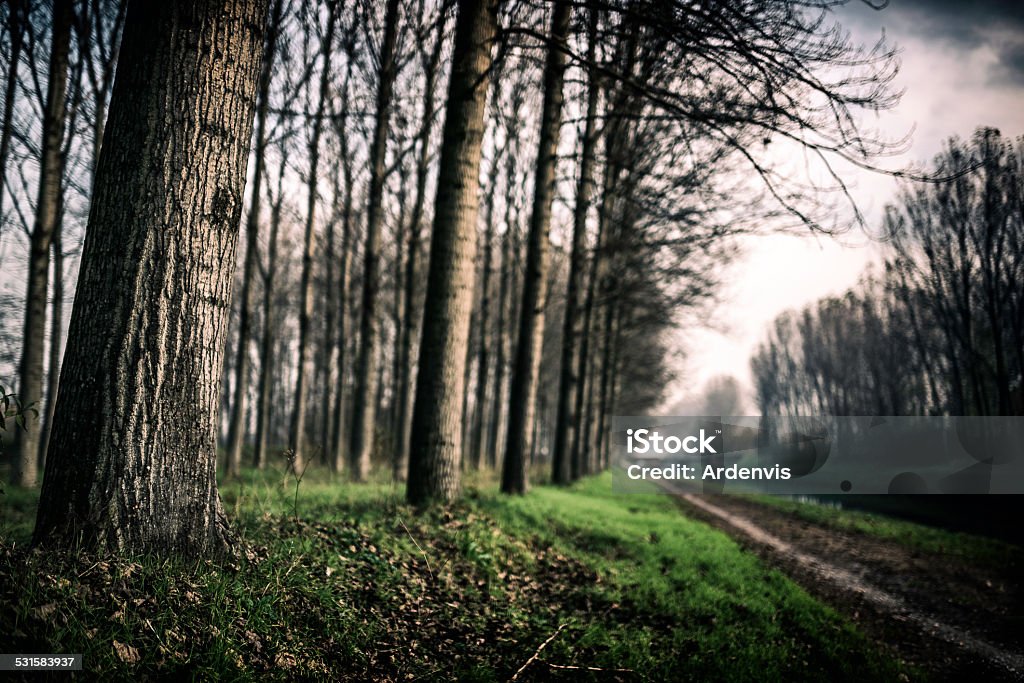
[[947, 618]]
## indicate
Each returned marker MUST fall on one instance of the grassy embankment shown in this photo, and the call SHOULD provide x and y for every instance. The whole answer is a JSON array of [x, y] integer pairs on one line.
[[346, 582]]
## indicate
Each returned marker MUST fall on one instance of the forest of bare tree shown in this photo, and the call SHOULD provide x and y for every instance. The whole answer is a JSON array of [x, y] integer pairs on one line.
[[420, 243]]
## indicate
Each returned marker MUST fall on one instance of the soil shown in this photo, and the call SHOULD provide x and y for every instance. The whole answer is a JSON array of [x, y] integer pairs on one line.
[[947, 618]]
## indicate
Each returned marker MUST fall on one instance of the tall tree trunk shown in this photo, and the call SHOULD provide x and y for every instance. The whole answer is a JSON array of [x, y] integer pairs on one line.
[[364, 418], [401, 302], [484, 332], [467, 374], [264, 425], [30, 385], [431, 63], [505, 321], [501, 359], [578, 463], [587, 457], [56, 330], [329, 346], [611, 320], [132, 458], [562, 469], [297, 430], [336, 457], [526, 370], [237, 429], [98, 43], [437, 412]]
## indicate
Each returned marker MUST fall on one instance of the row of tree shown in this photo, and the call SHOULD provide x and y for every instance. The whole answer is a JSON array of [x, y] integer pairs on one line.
[[357, 332], [940, 330]]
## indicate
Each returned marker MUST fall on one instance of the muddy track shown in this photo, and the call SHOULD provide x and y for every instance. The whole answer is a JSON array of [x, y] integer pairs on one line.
[[949, 619]]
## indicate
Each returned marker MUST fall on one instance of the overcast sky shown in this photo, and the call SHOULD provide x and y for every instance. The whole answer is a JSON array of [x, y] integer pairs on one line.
[[962, 65]]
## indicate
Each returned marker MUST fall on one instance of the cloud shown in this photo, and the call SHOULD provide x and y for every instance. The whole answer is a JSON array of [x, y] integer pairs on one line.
[[995, 26]]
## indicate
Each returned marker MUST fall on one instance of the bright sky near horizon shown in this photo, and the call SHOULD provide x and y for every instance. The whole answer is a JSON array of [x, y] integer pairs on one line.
[[962, 66]]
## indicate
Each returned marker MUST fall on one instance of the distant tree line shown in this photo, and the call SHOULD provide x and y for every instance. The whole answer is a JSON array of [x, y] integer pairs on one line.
[[938, 329]]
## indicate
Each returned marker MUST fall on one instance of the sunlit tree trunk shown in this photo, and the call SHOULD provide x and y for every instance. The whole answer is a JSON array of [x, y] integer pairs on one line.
[[132, 458]]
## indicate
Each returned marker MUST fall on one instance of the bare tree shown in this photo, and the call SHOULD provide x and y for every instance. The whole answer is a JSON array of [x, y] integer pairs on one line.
[[562, 465], [336, 457], [267, 335], [523, 391], [430, 59], [484, 339], [364, 418], [16, 19], [300, 404], [236, 432]]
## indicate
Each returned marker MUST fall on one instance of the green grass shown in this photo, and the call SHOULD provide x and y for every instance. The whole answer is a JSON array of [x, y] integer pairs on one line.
[[971, 549], [350, 584]]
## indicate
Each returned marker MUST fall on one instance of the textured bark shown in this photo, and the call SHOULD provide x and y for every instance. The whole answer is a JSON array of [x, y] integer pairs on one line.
[[411, 323], [526, 369], [300, 402], [563, 470], [267, 338], [236, 430], [437, 412], [364, 409], [132, 458], [30, 372]]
